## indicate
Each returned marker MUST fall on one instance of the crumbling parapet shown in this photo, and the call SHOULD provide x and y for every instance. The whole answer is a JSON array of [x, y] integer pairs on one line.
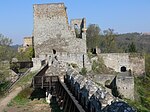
[[80, 24], [120, 85]]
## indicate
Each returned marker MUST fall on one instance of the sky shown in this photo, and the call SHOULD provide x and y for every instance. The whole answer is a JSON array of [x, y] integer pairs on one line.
[[16, 16]]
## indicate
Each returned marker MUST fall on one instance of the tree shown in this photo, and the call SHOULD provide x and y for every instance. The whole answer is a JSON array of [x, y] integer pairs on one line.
[[132, 48], [6, 52], [30, 52], [5, 41], [109, 44], [93, 34], [147, 64], [26, 55]]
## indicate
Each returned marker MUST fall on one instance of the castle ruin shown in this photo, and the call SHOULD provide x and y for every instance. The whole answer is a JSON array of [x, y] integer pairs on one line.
[[55, 38]]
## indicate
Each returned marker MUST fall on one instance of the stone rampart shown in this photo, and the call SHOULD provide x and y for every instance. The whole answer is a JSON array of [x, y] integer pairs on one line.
[[124, 85], [132, 62]]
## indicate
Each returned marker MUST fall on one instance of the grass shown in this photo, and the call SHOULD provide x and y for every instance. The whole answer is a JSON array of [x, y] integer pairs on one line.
[[22, 98], [99, 67], [24, 102], [83, 71], [23, 70], [138, 106], [25, 97], [25, 80]]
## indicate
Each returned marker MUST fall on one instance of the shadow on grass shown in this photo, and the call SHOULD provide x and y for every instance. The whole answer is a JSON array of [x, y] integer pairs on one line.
[[38, 94]]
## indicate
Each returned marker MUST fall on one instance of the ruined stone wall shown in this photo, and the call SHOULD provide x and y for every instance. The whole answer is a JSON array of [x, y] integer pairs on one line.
[[125, 86], [52, 31], [81, 23], [27, 41], [66, 57], [135, 63], [102, 78], [75, 58]]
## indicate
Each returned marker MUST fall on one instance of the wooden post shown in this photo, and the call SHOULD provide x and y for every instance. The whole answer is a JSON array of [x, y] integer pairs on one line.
[[83, 61], [73, 108], [64, 99], [33, 81], [66, 104], [42, 82], [70, 107]]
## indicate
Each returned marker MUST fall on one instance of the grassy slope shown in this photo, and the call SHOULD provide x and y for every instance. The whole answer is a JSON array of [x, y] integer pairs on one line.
[[24, 82], [142, 95]]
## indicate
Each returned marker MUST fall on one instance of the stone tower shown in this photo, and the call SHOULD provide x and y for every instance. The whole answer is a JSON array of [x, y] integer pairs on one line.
[[52, 31], [54, 36]]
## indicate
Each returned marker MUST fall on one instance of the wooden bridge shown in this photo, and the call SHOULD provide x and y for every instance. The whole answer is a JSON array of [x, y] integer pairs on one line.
[[57, 88]]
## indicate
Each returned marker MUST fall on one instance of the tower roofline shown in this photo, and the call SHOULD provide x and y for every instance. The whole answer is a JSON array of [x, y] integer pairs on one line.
[[51, 3]]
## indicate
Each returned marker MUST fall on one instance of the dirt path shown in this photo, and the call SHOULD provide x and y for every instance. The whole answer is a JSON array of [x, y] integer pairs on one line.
[[8, 98]]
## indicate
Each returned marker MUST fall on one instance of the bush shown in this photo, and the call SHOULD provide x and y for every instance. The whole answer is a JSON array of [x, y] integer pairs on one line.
[[4, 86], [99, 67], [74, 65], [83, 71]]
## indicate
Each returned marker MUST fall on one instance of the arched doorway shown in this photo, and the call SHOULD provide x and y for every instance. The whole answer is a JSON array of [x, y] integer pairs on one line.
[[123, 69], [54, 51], [77, 31]]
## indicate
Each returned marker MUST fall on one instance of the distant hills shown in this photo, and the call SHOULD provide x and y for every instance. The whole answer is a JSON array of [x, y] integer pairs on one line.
[[141, 41], [15, 47]]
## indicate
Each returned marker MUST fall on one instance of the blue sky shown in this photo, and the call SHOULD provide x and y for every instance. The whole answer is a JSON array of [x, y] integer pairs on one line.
[[16, 16]]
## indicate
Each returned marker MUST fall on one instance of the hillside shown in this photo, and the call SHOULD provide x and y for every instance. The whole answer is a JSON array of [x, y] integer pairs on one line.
[[141, 41]]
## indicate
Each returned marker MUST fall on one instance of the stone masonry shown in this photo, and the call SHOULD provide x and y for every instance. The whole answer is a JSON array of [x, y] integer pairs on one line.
[[52, 31], [53, 36], [132, 62], [57, 42], [123, 84]]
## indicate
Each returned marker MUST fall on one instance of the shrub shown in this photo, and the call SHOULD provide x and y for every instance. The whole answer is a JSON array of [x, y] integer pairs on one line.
[[74, 65], [83, 71]]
